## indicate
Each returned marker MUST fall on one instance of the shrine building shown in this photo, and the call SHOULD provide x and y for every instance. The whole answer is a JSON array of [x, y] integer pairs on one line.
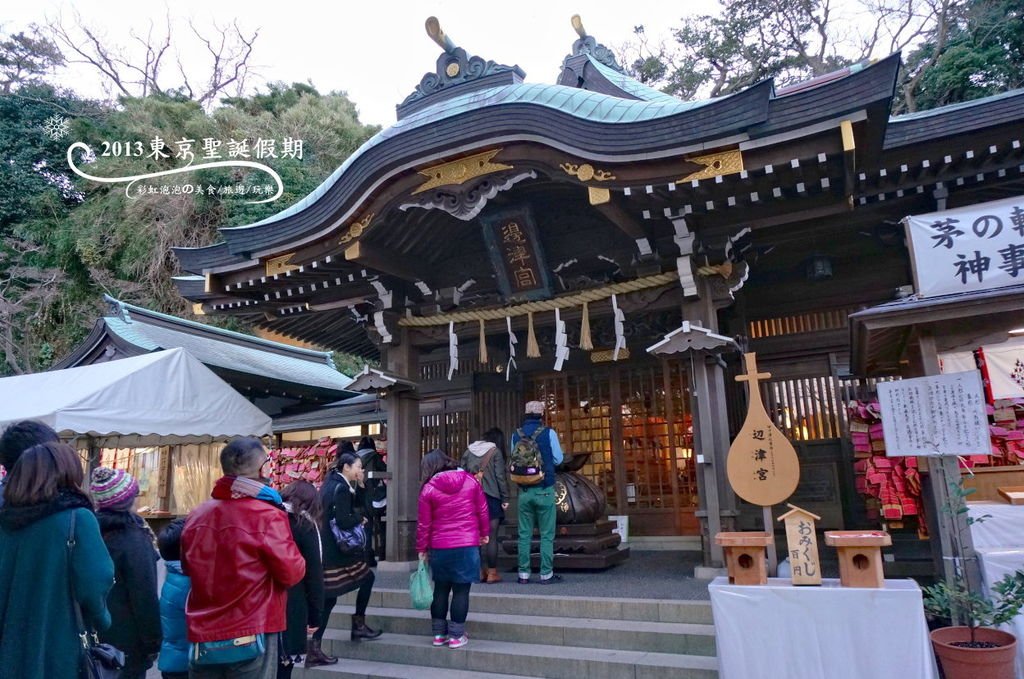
[[611, 250]]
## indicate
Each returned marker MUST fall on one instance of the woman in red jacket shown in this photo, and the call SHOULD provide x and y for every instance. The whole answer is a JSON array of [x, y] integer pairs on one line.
[[452, 525]]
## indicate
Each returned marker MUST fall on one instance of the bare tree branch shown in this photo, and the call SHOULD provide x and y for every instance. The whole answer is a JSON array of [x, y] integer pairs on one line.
[[141, 72]]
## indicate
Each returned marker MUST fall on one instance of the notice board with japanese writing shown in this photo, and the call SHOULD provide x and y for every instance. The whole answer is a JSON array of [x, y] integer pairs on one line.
[[516, 254], [978, 247], [943, 414]]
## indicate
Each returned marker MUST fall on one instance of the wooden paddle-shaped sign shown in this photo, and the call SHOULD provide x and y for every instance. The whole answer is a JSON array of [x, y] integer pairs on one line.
[[762, 466]]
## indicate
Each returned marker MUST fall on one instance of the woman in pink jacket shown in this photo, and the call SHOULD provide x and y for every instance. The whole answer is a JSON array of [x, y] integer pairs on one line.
[[452, 525]]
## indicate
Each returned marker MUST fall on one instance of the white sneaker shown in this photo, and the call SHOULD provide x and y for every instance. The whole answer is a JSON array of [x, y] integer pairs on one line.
[[458, 642]]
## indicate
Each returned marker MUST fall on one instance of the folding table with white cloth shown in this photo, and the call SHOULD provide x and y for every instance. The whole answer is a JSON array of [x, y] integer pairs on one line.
[[779, 630]]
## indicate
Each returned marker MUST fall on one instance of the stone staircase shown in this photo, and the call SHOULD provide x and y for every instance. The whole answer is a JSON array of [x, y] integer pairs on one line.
[[529, 635]]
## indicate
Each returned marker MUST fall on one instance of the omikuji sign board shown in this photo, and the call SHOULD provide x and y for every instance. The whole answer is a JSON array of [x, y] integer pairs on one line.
[[943, 415], [978, 247]]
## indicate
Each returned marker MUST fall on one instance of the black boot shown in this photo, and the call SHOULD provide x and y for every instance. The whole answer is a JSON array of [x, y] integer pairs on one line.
[[315, 655], [361, 631]]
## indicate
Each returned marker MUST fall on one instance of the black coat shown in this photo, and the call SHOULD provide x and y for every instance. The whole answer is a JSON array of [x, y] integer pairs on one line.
[[376, 490], [348, 509], [306, 599], [133, 601]]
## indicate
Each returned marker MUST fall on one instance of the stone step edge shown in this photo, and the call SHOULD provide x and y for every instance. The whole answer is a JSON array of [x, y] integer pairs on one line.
[[360, 669], [610, 656], [644, 626], [476, 592]]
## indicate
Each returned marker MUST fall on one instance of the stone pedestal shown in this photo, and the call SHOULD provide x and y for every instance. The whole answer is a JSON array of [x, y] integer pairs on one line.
[[860, 556], [586, 546]]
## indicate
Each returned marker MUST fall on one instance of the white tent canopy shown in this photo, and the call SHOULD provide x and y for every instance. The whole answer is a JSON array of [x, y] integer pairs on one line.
[[166, 397]]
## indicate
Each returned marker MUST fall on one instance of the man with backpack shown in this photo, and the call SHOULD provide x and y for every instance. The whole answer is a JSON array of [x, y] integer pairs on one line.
[[535, 453]]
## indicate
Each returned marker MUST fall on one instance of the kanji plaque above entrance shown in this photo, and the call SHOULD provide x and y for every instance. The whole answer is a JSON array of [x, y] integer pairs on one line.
[[516, 254]]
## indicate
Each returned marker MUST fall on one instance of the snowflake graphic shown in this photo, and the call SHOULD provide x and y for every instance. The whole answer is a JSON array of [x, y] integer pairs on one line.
[[56, 127]]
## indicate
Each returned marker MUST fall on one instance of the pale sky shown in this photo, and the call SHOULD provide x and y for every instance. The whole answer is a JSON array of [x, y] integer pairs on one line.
[[375, 51]]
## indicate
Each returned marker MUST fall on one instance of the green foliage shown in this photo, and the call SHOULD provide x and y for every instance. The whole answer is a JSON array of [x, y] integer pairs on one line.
[[745, 42], [956, 50], [65, 240], [981, 54], [975, 610], [958, 600], [25, 58], [350, 365]]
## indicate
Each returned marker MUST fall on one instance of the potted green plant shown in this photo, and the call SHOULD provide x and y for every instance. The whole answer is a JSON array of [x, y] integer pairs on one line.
[[974, 649]]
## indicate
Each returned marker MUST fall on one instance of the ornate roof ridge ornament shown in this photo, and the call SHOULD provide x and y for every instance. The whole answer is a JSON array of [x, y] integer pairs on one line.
[[586, 44], [586, 172], [455, 68]]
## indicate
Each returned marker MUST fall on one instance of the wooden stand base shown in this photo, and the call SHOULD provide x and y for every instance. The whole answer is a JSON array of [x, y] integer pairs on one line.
[[586, 546], [745, 556], [860, 556]]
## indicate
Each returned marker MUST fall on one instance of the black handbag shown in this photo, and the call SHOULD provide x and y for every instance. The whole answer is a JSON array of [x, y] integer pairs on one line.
[[350, 541], [97, 661]]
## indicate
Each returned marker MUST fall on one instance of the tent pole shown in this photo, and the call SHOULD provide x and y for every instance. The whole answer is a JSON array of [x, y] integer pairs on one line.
[[94, 453]]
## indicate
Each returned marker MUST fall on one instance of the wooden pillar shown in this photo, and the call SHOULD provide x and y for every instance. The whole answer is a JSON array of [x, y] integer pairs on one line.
[[403, 452], [711, 432], [943, 470], [704, 444]]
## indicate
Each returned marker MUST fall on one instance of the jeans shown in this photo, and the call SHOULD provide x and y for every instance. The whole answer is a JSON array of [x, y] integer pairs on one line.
[[537, 507], [263, 667]]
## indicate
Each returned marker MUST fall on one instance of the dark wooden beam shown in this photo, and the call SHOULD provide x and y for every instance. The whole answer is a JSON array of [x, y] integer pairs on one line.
[[374, 258], [616, 215]]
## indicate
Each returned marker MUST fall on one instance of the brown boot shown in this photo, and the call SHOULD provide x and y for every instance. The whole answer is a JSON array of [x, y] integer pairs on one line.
[[361, 631], [315, 655], [492, 576]]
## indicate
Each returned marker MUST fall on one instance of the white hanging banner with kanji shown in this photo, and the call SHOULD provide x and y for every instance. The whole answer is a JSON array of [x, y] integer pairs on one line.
[[978, 247], [1004, 369]]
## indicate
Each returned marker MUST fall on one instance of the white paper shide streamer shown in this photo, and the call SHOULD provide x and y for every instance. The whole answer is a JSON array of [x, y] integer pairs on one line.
[[453, 350], [620, 331], [561, 341], [512, 342]]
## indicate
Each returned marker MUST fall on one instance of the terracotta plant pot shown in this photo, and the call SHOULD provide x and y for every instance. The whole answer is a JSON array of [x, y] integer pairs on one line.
[[974, 663]]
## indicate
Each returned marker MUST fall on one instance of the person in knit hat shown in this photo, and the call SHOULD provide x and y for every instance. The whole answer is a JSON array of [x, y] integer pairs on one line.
[[133, 602], [113, 489]]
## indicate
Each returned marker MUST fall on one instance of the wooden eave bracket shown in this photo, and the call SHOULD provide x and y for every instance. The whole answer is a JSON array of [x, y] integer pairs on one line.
[[849, 160]]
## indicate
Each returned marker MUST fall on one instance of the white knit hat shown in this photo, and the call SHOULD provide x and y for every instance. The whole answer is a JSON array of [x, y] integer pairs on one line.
[[535, 407]]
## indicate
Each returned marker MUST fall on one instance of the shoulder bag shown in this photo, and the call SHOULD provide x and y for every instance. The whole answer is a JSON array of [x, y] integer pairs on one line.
[[350, 541], [98, 661]]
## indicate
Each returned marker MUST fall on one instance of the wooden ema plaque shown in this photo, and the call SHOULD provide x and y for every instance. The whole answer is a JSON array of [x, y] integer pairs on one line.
[[802, 546], [762, 466], [860, 556], [744, 556]]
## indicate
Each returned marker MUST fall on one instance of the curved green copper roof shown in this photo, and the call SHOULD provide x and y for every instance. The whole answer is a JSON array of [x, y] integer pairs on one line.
[[582, 104], [632, 86]]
